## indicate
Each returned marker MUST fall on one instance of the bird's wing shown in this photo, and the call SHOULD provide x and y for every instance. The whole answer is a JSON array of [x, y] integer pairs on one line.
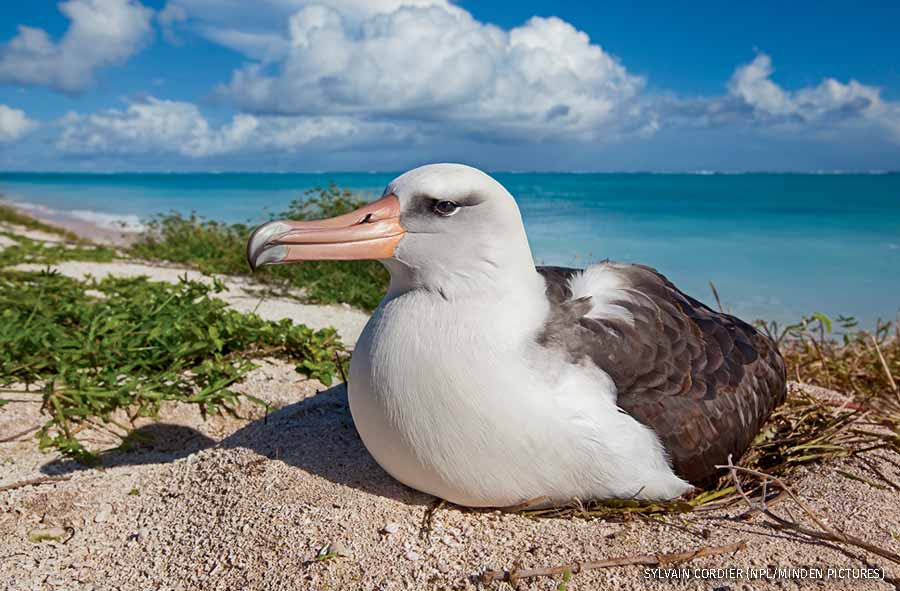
[[705, 382]]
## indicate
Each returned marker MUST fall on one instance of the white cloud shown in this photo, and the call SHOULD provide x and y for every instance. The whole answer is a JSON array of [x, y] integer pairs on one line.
[[14, 124], [101, 33], [752, 84], [754, 101], [431, 64], [161, 126], [258, 29], [352, 74], [544, 79], [273, 14]]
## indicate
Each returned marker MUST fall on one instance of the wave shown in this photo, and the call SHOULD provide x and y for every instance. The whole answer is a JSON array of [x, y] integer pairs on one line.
[[109, 221], [128, 223]]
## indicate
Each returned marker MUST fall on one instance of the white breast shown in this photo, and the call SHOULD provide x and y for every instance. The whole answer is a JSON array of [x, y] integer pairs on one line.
[[458, 401]]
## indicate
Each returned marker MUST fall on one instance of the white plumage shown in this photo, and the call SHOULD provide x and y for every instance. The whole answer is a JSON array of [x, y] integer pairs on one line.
[[452, 394]]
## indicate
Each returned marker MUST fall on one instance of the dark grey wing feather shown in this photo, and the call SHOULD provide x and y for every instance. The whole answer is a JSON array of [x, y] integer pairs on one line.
[[705, 382]]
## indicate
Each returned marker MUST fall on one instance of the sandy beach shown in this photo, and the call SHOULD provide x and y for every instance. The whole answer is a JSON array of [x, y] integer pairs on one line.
[[292, 500], [112, 234], [226, 504]]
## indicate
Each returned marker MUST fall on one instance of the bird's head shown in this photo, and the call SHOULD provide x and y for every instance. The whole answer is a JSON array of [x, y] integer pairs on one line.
[[440, 226]]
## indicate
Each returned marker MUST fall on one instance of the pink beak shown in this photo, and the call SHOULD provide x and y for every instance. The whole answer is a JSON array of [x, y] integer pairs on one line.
[[371, 232]]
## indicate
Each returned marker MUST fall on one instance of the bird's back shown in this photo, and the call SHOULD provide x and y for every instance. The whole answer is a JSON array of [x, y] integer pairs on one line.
[[704, 381]]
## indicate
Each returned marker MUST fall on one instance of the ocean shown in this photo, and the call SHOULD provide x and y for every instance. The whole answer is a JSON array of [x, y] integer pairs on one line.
[[777, 246]]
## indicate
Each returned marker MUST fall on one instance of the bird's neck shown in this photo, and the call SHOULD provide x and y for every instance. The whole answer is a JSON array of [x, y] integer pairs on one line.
[[510, 275], [504, 315]]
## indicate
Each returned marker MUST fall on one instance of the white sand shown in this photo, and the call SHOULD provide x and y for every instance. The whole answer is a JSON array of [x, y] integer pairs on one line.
[[228, 504]]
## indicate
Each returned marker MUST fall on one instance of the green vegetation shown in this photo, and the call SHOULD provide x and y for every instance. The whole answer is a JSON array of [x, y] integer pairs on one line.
[[31, 251], [215, 247], [860, 365], [106, 352]]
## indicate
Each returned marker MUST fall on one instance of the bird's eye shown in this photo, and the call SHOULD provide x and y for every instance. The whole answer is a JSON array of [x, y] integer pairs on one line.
[[445, 208]]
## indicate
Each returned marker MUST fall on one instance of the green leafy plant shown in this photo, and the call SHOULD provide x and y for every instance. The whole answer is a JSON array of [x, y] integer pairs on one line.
[[103, 353], [31, 251], [215, 247]]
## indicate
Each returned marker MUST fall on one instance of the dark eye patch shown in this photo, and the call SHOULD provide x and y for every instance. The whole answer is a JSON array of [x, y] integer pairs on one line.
[[425, 203]]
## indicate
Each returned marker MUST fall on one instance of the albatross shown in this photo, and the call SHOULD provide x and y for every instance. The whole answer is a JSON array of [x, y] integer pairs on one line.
[[488, 381]]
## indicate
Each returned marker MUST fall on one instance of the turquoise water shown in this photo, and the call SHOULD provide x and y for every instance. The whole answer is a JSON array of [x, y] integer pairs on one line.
[[777, 246]]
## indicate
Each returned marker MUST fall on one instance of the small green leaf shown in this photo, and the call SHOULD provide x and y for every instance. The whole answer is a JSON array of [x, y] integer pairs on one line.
[[564, 584], [825, 320]]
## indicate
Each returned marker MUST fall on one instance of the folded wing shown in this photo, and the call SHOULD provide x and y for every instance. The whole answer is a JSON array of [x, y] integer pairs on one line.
[[705, 382]]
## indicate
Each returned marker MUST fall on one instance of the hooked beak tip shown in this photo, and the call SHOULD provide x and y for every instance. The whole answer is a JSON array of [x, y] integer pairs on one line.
[[258, 249], [269, 256]]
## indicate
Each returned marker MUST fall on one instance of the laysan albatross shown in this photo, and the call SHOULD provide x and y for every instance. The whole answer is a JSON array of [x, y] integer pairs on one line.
[[487, 381]]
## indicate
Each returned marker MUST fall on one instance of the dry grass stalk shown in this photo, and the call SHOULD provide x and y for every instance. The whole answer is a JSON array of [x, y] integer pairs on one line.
[[33, 482], [19, 434], [825, 533], [884, 364], [874, 469]]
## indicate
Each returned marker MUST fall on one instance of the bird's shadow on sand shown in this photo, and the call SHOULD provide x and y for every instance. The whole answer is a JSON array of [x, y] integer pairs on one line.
[[316, 435]]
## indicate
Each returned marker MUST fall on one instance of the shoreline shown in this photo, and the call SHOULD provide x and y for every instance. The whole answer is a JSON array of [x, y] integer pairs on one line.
[[90, 231]]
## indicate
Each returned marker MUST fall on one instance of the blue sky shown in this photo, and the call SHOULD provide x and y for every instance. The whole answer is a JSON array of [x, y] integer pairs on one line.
[[389, 84]]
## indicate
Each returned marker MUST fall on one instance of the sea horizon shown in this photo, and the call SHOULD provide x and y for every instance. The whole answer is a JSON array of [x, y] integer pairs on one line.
[[698, 172], [777, 245]]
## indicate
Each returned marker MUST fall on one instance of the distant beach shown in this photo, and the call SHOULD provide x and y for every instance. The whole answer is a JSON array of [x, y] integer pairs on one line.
[[777, 246]]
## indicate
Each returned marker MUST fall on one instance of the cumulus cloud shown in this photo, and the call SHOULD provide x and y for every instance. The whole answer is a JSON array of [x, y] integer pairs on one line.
[[161, 126], [351, 74], [431, 64], [258, 29], [754, 99], [752, 84], [544, 79], [101, 33], [830, 100], [14, 124]]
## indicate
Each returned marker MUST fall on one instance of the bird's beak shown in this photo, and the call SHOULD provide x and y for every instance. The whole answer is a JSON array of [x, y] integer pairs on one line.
[[371, 232]]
